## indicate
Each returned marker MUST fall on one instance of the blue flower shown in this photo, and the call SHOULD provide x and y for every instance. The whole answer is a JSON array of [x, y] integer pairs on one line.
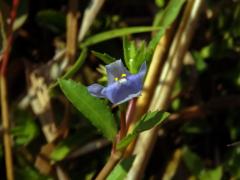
[[122, 85]]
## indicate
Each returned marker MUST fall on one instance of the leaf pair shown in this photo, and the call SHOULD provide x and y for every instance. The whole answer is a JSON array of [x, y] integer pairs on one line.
[[99, 114]]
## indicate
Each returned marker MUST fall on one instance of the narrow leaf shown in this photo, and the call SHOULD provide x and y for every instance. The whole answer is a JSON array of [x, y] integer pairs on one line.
[[116, 33], [76, 66], [73, 69], [95, 110], [170, 13], [130, 52], [148, 121], [167, 17], [106, 58], [121, 170], [140, 57], [126, 45]]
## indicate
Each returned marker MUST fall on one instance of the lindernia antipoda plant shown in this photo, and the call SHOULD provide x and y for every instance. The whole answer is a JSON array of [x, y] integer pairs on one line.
[[122, 85]]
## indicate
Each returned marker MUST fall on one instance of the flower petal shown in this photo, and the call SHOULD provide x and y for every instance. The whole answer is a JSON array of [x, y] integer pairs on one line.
[[118, 92], [115, 69], [96, 90]]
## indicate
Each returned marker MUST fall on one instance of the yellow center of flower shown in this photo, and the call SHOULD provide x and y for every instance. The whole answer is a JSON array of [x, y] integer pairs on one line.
[[123, 76]]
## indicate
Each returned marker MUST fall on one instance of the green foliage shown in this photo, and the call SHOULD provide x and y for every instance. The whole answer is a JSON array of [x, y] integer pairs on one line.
[[25, 131], [196, 166], [148, 121], [22, 15], [170, 12], [160, 3], [133, 56], [104, 36], [74, 68], [121, 170], [106, 58], [232, 163], [200, 62], [77, 65], [94, 109]]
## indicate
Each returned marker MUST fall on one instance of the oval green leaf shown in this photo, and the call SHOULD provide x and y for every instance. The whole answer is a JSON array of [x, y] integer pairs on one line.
[[95, 110]]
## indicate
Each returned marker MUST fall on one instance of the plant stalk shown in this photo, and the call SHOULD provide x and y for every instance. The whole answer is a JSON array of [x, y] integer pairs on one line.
[[112, 161]]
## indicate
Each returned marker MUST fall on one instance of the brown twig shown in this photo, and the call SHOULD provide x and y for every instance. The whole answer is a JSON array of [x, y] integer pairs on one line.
[[72, 18], [4, 102], [213, 106], [113, 160]]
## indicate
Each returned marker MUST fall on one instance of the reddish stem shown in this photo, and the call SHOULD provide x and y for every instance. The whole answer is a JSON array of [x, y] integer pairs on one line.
[[130, 112], [6, 53], [123, 129]]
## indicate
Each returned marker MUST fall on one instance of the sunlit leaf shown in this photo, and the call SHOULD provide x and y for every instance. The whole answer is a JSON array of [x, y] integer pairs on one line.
[[106, 58], [77, 65], [211, 174], [116, 33], [94, 109], [25, 131], [170, 12]]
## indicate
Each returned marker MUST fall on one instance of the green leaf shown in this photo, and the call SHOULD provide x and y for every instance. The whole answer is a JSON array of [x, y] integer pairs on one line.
[[170, 13], [153, 43], [211, 174], [140, 57], [94, 109], [167, 17], [19, 21], [200, 63], [116, 33], [192, 161], [130, 52], [73, 69], [25, 131], [77, 65], [106, 58], [148, 121], [121, 170], [125, 50], [160, 3], [22, 15]]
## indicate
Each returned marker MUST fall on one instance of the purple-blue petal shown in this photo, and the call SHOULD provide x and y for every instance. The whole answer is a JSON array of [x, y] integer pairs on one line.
[[96, 90], [115, 69], [118, 92]]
